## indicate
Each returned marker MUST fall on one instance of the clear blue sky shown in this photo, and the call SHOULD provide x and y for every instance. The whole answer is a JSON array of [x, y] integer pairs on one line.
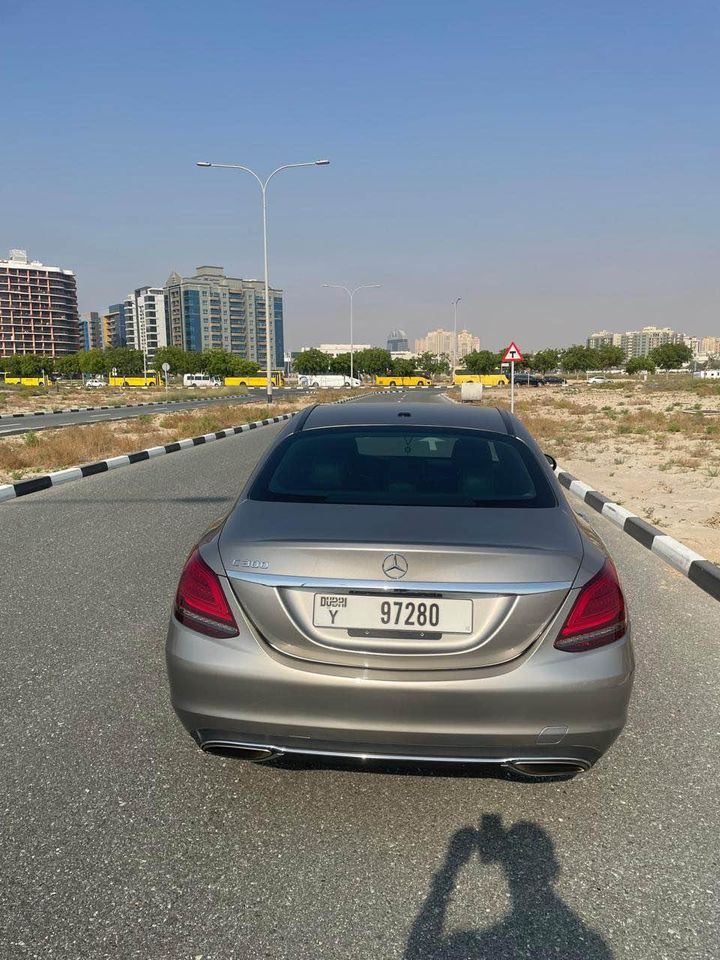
[[554, 163]]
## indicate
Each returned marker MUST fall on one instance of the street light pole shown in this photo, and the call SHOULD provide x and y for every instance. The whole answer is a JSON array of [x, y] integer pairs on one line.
[[351, 294], [263, 187], [456, 301]]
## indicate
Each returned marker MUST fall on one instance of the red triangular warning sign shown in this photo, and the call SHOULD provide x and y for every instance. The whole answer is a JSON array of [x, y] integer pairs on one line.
[[512, 354]]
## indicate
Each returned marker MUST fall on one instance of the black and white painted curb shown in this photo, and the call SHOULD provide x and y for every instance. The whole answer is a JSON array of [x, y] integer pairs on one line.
[[122, 406], [10, 491], [692, 565]]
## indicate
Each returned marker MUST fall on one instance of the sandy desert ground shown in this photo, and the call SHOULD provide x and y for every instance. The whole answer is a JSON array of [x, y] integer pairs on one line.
[[652, 448]]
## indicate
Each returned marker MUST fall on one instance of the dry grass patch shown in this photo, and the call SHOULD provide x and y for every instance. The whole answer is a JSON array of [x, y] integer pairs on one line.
[[27, 399], [35, 453]]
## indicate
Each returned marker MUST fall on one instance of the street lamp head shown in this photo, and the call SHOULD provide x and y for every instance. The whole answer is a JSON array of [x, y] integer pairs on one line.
[[203, 163], [321, 163]]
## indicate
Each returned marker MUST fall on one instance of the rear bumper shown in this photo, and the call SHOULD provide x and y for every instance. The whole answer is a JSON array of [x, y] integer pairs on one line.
[[545, 704]]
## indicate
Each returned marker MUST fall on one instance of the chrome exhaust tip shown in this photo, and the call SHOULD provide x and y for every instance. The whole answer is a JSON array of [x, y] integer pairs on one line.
[[538, 769], [238, 751]]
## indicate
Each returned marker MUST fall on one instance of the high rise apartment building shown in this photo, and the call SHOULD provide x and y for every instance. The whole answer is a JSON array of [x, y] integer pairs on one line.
[[710, 346], [113, 326], [435, 342], [210, 310], [638, 343], [604, 338], [441, 341], [467, 343], [38, 308], [397, 342], [145, 325], [91, 331]]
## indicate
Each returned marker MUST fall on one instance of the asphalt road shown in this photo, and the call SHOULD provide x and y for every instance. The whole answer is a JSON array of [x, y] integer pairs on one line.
[[9, 426], [121, 840]]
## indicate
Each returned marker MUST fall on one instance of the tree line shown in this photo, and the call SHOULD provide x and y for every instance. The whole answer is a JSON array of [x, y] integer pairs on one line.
[[129, 363], [669, 356], [369, 362], [579, 359], [573, 359]]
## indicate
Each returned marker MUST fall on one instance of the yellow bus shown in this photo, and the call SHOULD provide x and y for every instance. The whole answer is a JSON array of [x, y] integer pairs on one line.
[[393, 381], [277, 379], [152, 380], [486, 379], [24, 381]]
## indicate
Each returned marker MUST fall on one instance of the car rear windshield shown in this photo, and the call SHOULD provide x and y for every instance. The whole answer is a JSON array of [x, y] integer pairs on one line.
[[404, 466]]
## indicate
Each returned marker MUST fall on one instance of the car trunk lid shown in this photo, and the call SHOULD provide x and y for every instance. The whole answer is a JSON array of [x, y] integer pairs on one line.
[[510, 570]]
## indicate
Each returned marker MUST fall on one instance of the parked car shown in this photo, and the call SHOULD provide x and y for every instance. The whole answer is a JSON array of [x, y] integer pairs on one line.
[[528, 380], [403, 581], [201, 380], [552, 379], [597, 380], [95, 383]]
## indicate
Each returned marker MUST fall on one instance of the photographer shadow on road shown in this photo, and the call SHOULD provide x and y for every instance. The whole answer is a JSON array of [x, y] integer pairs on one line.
[[540, 926]]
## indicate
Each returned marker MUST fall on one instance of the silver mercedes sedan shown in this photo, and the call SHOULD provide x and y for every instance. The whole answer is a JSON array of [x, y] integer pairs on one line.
[[403, 581]]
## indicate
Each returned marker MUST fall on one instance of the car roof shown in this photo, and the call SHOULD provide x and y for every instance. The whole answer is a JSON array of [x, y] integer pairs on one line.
[[413, 414]]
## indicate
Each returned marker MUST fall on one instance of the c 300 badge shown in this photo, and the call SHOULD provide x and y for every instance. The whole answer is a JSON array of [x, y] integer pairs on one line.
[[251, 564]]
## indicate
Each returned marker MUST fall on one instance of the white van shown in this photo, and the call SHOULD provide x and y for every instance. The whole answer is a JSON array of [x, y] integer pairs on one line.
[[201, 380], [327, 380]]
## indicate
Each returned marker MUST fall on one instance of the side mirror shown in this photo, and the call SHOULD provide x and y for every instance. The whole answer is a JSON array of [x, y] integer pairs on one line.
[[551, 460]]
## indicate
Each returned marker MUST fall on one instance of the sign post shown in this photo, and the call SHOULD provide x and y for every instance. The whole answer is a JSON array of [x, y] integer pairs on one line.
[[166, 367], [512, 356]]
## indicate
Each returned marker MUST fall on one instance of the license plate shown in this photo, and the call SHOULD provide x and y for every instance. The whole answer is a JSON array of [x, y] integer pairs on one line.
[[406, 614]]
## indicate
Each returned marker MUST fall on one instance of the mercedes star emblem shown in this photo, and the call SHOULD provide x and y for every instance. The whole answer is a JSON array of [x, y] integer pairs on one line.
[[395, 566]]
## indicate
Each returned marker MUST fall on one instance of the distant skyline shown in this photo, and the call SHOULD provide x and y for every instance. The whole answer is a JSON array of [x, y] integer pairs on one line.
[[555, 165]]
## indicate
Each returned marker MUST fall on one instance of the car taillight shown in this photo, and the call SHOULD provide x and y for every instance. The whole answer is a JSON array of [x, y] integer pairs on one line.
[[597, 616], [200, 602]]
